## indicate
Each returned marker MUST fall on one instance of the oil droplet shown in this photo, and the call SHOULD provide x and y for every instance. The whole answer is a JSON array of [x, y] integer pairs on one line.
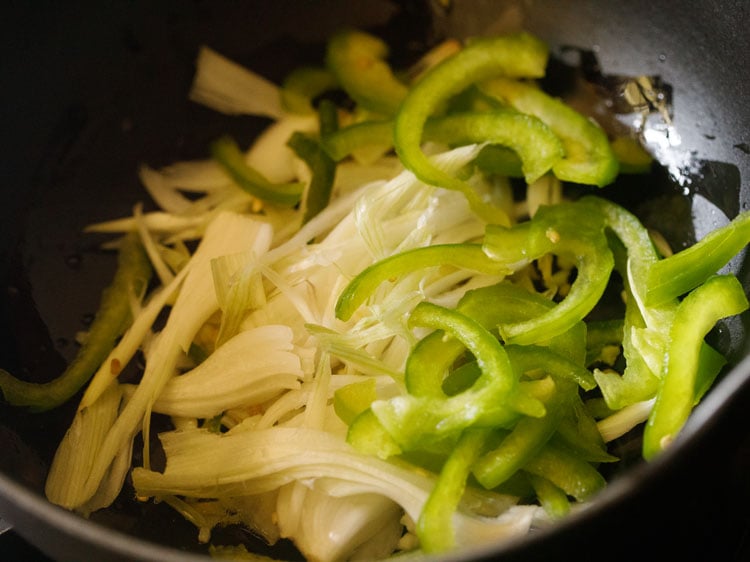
[[662, 57]]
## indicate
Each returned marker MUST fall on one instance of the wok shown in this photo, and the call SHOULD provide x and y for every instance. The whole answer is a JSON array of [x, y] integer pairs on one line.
[[93, 89]]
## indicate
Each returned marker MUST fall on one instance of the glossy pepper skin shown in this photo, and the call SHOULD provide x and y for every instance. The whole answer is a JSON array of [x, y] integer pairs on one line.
[[322, 166], [358, 61], [491, 400], [676, 275], [519, 55], [228, 155], [589, 158], [534, 145], [720, 296], [434, 527], [466, 256], [568, 229]]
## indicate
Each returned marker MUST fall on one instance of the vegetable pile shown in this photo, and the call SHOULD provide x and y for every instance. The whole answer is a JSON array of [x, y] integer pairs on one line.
[[373, 344]]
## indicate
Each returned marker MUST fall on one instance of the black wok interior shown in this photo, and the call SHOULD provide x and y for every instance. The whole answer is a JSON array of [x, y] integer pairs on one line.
[[91, 90]]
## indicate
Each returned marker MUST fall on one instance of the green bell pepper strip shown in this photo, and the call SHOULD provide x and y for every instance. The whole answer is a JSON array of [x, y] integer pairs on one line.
[[568, 229], [527, 358], [518, 55], [645, 329], [112, 318], [576, 477], [433, 356], [369, 436], [710, 364], [577, 432], [534, 146], [554, 501], [229, 156], [720, 296], [506, 302], [346, 140], [641, 252], [435, 524], [466, 256], [679, 273], [413, 420], [322, 166], [357, 60], [589, 158], [302, 85], [638, 381], [524, 441]]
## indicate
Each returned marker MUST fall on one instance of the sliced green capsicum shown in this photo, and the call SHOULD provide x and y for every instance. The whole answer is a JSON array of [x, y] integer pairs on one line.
[[719, 297], [111, 319], [357, 60], [466, 256], [519, 55], [673, 276], [321, 165], [568, 229], [589, 158], [229, 156]]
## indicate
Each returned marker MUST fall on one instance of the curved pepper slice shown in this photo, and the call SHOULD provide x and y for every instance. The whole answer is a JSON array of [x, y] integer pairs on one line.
[[435, 524], [229, 156], [538, 148], [574, 476], [347, 140], [589, 157], [554, 500], [688, 268], [524, 441], [530, 140], [113, 316], [322, 167], [568, 229], [467, 256], [357, 59], [433, 355], [530, 357], [519, 55], [414, 421], [645, 330], [719, 297]]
